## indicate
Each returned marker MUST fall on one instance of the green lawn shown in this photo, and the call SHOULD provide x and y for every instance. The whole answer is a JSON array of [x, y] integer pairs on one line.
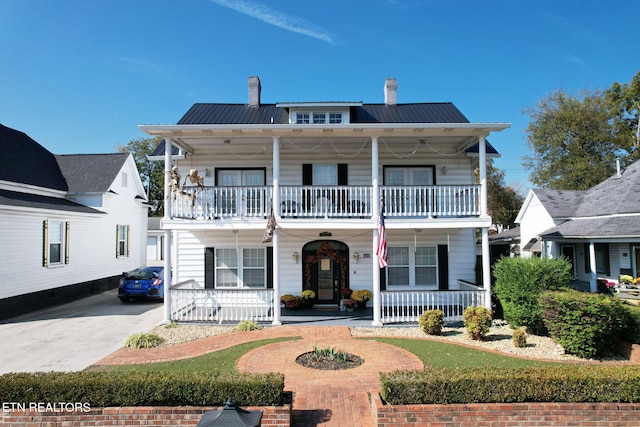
[[432, 353], [443, 355], [223, 361]]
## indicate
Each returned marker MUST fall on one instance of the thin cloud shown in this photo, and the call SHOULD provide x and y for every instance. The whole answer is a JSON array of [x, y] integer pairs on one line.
[[273, 17]]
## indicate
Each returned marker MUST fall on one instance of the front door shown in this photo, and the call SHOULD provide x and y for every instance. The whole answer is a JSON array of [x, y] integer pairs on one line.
[[569, 253], [325, 269]]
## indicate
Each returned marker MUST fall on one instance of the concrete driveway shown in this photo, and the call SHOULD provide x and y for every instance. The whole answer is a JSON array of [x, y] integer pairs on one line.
[[73, 336]]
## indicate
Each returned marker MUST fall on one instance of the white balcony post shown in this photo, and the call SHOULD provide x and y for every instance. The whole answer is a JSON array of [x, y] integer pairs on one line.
[[486, 261], [375, 212], [168, 277], [276, 176], [276, 234]]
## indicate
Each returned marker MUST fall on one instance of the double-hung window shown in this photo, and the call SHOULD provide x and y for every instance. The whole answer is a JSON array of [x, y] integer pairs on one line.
[[410, 266], [302, 118], [246, 269], [56, 243], [122, 241]]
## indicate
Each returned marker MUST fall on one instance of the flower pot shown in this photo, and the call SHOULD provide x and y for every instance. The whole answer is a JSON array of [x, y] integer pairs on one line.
[[350, 309], [362, 305]]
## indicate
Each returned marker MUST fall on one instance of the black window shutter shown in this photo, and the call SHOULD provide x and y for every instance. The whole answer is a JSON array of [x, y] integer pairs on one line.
[[383, 279], [443, 267], [307, 174], [342, 174], [269, 267], [209, 268], [587, 262]]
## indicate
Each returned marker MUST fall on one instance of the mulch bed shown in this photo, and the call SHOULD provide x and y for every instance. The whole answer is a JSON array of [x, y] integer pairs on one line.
[[312, 360]]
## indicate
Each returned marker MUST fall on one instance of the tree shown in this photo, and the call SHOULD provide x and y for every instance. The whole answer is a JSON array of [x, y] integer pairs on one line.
[[151, 173], [575, 141], [503, 201], [625, 102]]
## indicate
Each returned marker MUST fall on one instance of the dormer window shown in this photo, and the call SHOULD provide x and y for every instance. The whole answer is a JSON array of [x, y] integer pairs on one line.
[[333, 113]]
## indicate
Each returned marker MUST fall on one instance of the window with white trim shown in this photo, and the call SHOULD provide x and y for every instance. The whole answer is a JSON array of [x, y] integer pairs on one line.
[[325, 174], [122, 241], [56, 243], [247, 270], [409, 266], [335, 118], [302, 118], [319, 118]]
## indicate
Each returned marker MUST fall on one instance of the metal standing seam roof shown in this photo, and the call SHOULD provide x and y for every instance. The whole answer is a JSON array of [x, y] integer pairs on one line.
[[209, 113]]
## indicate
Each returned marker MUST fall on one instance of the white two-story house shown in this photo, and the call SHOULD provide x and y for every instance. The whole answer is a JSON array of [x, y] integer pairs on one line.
[[328, 170]]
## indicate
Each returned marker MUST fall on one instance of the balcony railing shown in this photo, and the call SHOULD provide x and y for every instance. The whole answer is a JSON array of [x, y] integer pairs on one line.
[[407, 306], [333, 201]]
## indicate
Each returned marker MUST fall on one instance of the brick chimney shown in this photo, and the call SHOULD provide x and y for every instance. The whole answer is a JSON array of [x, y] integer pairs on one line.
[[254, 91], [390, 91]]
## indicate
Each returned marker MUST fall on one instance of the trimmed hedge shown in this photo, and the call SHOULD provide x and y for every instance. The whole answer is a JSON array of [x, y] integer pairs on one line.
[[632, 332], [584, 324], [572, 383], [103, 389], [519, 282]]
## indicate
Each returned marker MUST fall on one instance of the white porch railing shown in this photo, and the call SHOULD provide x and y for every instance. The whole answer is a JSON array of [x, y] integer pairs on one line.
[[407, 306], [190, 302], [333, 201], [431, 200]]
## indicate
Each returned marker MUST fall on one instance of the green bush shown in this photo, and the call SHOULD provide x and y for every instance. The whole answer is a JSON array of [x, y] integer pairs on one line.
[[143, 341], [519, 337], [519, 282], [584, 324], [431, 322], [632, 332], [477, 320], [569, 383], [102, 389], [248, 325]]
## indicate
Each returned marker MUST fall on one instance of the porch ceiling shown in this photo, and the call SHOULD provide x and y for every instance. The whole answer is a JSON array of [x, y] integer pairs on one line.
[[202, 139]]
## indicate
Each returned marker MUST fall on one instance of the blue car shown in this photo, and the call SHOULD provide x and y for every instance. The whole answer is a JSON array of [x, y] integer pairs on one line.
[[143, 282]]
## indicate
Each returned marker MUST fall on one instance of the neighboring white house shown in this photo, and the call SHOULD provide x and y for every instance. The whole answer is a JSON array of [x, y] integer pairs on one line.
[[70, 224], [597, 230], [324, 167], [155, 242]]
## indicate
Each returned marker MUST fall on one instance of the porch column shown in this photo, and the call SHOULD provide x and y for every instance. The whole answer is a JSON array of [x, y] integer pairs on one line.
[[593, 281], [486, 261], [375, 212], [168, 278], [275, 198]]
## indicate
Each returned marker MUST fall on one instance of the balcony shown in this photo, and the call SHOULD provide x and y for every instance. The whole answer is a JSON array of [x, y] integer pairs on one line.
[[337, 201]]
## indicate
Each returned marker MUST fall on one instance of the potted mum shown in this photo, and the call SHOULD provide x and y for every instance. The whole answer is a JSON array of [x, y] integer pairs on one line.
[[349, 304], [361, 296], [308, 298]]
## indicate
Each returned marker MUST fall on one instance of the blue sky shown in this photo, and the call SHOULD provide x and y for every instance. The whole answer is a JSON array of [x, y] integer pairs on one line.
[[79, 76]]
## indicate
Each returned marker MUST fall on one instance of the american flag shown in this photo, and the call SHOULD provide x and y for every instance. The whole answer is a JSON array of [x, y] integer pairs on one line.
[[381, 250]]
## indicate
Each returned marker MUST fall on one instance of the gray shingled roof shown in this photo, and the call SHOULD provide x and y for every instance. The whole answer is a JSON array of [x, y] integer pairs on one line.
[[27, 200], [25, 161], [604, 227], [560, 203], [91, 173]]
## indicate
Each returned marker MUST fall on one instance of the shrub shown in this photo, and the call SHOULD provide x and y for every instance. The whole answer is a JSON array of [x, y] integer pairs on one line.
[[361, 295], [519, 282], [477, 320], [584, 324], [248, 325], [566, 383], [101, 389], [431, 322], [632, 332], [519, 337], [143, 341]]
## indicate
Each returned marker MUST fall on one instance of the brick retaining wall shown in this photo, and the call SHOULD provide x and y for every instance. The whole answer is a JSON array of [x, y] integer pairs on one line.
[[505, 414], [183, 416], [628, 350]]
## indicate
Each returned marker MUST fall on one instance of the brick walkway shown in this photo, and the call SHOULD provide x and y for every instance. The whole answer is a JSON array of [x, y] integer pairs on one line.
[[320, 398]]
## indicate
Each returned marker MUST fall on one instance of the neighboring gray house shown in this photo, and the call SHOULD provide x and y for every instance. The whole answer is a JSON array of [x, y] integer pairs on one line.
[[597, 229], [70, 224], [324, 168]]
